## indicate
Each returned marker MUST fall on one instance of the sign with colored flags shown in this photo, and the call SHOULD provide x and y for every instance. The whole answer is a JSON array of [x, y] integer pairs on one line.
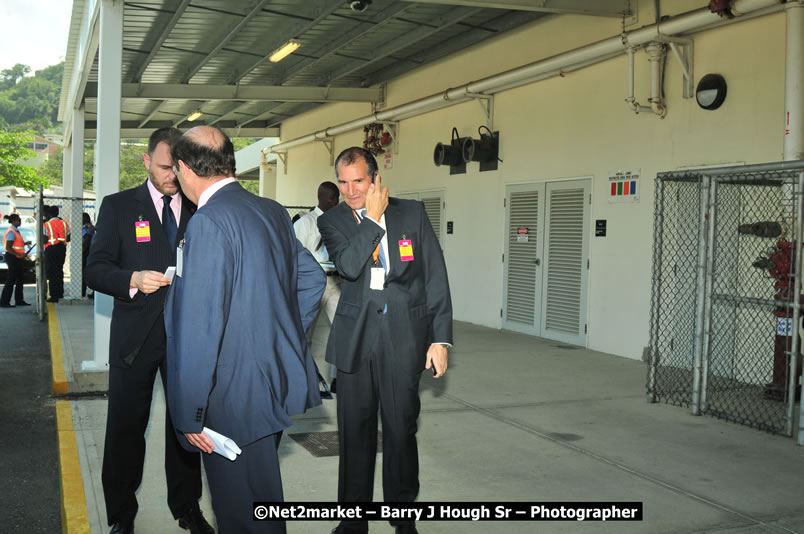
[[624, 186]]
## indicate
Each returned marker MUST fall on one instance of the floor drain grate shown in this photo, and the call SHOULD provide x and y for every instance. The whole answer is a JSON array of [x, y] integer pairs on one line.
[[322, 444]]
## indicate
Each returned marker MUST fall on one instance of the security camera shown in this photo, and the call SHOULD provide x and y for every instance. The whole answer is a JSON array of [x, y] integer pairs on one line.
[[359, 5]]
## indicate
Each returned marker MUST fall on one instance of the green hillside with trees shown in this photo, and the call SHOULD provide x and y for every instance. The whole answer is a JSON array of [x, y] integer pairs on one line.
[[29, 107]]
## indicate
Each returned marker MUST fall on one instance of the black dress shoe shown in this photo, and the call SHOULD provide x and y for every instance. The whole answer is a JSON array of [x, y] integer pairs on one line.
[[123, 528], [23, 303], [193, 520]]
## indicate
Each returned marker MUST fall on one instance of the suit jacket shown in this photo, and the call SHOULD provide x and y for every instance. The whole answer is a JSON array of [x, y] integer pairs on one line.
[[236, 320], [115, 254], [416, 292]]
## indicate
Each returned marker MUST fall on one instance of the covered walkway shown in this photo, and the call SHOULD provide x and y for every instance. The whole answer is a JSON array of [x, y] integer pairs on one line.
[[516, 418]]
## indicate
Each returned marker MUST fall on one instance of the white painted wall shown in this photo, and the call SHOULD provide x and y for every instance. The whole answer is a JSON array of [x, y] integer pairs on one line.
[[573, 126]]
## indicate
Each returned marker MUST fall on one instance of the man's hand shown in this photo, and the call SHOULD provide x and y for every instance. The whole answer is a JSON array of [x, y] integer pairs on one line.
[[376, 199], [437, 359], [201, 441], [148, 281]]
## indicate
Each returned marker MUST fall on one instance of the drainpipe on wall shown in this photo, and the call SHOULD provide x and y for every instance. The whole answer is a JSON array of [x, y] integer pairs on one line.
[[657, 53], [631, 101]]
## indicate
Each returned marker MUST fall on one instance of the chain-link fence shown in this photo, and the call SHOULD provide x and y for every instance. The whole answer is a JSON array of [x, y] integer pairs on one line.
[[71, 209], [299, 211], [724, 319]]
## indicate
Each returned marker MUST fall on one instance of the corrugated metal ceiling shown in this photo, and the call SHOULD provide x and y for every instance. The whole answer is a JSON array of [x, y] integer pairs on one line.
[[227, 42]]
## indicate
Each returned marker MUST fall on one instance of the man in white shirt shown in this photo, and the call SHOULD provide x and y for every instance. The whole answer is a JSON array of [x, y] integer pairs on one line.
[[306, 229]]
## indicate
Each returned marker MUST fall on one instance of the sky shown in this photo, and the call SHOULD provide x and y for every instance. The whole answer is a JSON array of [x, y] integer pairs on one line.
[[34, 33]]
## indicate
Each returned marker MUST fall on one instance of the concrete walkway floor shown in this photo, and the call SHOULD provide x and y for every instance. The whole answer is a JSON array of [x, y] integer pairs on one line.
[[516, 418]]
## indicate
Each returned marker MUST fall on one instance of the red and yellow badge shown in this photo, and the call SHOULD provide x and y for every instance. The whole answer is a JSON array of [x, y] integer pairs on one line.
[[142, 229], [406, 250]]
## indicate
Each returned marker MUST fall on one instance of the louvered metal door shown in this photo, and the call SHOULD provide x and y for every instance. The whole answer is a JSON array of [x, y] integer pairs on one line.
[[433, 206], [433, 203], [522, 261], [566, 255]]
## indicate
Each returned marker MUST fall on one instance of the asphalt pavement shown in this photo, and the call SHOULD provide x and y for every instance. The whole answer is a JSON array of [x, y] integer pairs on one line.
[[29, 462]]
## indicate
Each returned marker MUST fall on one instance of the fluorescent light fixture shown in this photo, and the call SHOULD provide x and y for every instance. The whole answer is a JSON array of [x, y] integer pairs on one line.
[[284, 51], [194, 116]]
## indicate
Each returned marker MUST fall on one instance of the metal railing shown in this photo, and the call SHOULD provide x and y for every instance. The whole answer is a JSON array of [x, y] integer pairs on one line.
[[724, 333]]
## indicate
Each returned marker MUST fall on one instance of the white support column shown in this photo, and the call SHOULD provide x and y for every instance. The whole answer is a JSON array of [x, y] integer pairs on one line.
[[107, 149], [794, 84], [74, 187]]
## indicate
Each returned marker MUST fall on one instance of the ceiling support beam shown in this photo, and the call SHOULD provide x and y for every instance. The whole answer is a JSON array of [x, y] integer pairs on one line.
[[600, 8], [292, 31], [236, 106], [262, 115], [144, 133], [155, 91], [506, 21], [384, 17], [192, 71], [154, 110], [136, 75], [421, 32]]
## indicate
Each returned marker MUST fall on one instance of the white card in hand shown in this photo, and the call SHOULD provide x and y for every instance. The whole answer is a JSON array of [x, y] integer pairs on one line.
[[170, 272]]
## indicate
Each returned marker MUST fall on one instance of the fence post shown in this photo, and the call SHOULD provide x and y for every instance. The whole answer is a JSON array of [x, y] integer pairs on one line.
[[700, 290], [707, 308], [658, 227]]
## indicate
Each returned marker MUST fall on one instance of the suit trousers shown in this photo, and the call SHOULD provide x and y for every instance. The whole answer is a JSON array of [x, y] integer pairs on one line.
[[54, 266], [130, 393], [378, 383], [14, 279], [234, 485], [328, 305]]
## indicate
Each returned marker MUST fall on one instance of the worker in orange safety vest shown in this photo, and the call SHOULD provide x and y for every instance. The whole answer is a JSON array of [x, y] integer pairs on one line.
[[57, 235], [14, 247]]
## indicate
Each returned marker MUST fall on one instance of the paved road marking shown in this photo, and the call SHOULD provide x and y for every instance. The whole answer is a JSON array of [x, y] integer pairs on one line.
[[74, 517], [56, 356]]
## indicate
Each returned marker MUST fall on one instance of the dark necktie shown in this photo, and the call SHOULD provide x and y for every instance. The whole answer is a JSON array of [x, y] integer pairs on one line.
[[169, 221]]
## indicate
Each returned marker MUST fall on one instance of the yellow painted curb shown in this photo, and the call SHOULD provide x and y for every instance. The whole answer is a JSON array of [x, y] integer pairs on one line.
[[56, 356], [74, 517]]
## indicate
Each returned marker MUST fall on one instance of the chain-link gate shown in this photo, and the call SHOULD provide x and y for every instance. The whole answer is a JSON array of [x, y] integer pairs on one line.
[[724, 320]]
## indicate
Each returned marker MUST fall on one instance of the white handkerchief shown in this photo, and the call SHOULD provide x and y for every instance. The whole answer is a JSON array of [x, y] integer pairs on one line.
[[223, 445]]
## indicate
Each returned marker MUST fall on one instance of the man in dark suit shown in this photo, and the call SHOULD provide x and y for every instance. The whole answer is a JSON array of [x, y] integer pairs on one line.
[[394, 320], [135, 242], [238, 362]]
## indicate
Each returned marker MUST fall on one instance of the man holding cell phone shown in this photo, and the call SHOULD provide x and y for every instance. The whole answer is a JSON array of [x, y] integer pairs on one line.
[[393, 321], [135, 243]]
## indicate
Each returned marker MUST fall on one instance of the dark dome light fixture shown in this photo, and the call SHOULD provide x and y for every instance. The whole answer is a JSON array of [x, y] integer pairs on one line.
[[711, 91]]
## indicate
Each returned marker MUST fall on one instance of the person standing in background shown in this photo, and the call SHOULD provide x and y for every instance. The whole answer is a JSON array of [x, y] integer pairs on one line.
[[87, 233], [57, 235], [306, 229], [14, 246]]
